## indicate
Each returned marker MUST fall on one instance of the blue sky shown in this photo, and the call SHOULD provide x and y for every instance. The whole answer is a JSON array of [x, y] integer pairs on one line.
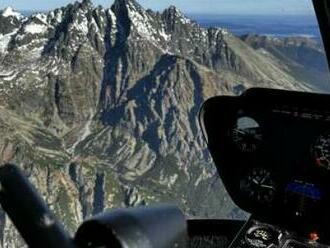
[[263, 7]]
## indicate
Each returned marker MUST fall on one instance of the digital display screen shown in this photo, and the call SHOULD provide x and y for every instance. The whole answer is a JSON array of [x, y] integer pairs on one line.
[[307, 190]]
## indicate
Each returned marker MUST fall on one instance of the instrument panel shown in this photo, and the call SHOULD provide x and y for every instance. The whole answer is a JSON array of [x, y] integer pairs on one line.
[[272, 151], [256, 234]]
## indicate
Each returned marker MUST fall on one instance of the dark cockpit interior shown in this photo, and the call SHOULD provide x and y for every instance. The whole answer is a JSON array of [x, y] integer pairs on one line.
[[271, 148]]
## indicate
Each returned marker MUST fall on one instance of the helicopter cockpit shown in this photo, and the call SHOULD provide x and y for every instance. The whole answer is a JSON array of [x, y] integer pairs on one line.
[[271, 148], [114, 89]]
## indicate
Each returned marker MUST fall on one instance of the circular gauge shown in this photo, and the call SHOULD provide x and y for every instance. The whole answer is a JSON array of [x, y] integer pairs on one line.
[[246, 134], [259, 186], [262, 237], [321, 151]]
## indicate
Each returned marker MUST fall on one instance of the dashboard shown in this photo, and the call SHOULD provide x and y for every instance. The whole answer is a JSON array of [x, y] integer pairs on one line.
[[272, 151], [262, 235]]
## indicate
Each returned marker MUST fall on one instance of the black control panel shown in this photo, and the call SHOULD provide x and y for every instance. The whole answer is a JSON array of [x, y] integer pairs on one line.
[[272, 151], [256, 234], [263, 235]]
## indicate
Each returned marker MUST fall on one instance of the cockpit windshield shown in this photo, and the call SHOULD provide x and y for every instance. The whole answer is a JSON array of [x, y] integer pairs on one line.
[[99, 100]]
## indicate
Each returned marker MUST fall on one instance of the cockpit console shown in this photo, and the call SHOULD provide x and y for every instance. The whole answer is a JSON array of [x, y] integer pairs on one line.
[[272, 151]]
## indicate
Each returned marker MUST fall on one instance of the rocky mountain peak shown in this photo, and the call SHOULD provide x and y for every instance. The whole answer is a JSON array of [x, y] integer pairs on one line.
[[10, 12], [81, 7], [87, 3], [120, 10], [173, 14], [127, 4], [174, 11], [174, 19], [10, 21], [138, 23]]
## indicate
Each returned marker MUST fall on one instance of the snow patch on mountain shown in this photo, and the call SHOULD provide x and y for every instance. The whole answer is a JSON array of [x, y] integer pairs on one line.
[[175, 12], [141, 21], [41, 17], [56, 15], [163, 34], [7, 76], [34, 28], [81, 23], [85, 132], [182, 17], [9, 12], [5, 39], [113, 18]]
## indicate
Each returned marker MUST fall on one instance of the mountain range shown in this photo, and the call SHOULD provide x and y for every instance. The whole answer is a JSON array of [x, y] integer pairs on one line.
[[99, 106]]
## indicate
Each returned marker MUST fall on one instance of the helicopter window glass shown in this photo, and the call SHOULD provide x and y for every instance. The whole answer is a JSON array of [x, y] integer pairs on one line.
[[99, 100]]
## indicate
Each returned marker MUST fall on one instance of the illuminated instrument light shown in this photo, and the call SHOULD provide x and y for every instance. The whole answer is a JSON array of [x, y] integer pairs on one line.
[[298, 214], [307, 190], [313, 236]]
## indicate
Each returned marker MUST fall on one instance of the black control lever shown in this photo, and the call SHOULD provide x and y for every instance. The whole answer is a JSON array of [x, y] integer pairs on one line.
[[28, 211]]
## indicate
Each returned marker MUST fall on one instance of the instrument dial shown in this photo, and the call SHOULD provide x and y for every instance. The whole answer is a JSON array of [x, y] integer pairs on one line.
[[259, 186], [321, 151], [262, 237], [246, 134]]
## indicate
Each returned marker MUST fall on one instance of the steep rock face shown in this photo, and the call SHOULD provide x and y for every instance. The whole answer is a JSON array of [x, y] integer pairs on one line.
[[10, 20], [99, 106]]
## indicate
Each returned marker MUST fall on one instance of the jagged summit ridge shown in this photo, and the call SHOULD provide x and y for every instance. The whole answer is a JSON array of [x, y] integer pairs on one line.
[[64, 32], [10, 12], [88, 3], [81, 17], [172, 13], [126, 3]]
